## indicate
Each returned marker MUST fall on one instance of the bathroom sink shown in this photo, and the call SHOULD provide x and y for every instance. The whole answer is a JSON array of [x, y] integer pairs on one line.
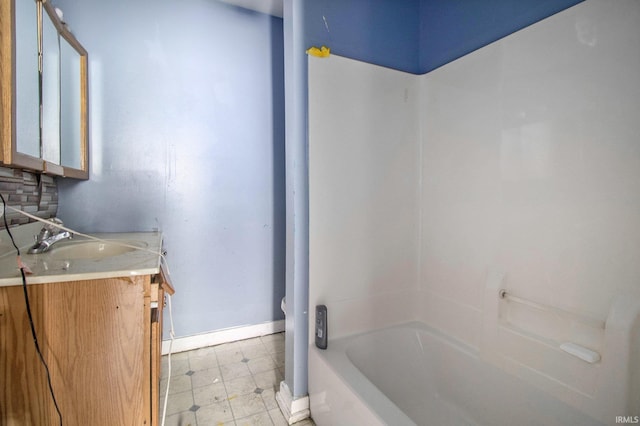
[[93, 249], [96, 256]]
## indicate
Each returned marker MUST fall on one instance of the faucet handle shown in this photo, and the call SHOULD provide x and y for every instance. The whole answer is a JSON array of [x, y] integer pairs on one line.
[[55, 221], [53, 227]]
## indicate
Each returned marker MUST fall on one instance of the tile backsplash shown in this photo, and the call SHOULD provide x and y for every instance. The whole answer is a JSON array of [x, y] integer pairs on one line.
[[31, 192]]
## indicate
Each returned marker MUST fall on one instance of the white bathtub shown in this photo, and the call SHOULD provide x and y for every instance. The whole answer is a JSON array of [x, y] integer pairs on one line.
[[415, 375]]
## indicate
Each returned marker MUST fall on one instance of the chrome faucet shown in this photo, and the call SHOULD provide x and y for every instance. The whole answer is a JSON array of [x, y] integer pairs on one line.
[[49, 235]]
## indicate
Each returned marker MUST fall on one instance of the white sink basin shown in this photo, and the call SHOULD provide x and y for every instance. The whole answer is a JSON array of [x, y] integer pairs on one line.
[[80, 258], [92, 250]]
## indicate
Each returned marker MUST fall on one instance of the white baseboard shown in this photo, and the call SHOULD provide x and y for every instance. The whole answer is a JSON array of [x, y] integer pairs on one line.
[[293, 410], [188, 343]]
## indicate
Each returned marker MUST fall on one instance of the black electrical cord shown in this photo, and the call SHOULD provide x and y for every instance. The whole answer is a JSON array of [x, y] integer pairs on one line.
[[26, 301]]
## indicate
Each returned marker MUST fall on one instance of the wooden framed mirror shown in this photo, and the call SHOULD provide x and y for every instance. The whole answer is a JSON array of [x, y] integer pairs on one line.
[[43, 92], [50, 94], [74, 136], [65, 105], [20, 84]]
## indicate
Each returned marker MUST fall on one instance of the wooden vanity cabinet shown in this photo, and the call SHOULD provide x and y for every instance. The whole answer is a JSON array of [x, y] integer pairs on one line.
[[102, 342]]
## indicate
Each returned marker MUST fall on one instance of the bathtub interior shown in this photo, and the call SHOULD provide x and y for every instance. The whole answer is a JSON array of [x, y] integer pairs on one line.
[[436, 380], [414, 373]]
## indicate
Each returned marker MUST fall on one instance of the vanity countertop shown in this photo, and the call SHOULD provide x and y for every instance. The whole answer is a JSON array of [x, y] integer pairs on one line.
[[79, 258]]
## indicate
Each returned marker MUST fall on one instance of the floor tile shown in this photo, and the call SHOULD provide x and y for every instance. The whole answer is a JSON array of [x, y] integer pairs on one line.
[[246, 405], [269, 399], [261, 419], [208, 351], [178, 384], [179, 366], [240, 386], [278, 358], [214, 414], [277, 417], [273, 347], [178, 402], [255, 351], [233, 384], [260, 365], [268, 379], [235, 370], [176, 356], [186, 418], [229, 356], [211, 394], [277, 337], [207, 377], [250, 342], [203, 362]]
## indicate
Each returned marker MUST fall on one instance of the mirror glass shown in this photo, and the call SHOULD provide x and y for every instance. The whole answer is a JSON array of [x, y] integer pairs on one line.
[[50, 91], [27, 79], [71, 96]]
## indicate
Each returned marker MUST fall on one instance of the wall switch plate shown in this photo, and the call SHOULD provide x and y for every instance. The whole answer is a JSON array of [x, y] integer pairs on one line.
[[321, 326]]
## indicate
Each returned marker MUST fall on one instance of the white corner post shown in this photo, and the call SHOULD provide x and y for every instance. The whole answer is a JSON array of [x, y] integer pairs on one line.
[[293, 398], [293, 410]]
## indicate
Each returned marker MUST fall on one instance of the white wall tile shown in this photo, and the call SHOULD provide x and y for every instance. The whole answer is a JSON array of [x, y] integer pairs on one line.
[[531, 162], [364, 182], [528, 162]]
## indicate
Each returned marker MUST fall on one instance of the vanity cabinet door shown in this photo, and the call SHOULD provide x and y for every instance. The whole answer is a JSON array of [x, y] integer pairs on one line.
[[94, 335], [102, 342]]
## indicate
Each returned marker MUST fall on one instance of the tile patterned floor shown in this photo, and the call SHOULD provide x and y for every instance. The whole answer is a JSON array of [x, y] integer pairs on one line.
[[229, 384]]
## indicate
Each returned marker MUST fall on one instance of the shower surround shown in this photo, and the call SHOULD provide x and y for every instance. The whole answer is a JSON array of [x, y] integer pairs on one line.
[[517, 168]]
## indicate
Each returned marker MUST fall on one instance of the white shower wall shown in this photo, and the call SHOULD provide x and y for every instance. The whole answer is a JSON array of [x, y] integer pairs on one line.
[[364, 167], [531, 167], [522, 158]]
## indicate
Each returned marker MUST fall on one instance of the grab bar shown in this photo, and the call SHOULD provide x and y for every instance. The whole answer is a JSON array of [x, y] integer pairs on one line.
[[592, 322]]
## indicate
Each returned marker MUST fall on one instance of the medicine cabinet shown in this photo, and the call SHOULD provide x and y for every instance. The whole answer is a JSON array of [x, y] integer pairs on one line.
[[44, 92]]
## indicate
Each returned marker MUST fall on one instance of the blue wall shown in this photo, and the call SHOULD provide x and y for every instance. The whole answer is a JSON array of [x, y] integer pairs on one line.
[[187, 136], [382, 32], [418, 36], [450, 29]]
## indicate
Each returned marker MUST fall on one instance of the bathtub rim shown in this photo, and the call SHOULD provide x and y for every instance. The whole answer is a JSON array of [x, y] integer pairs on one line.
[[362, 389], [366, 393]]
